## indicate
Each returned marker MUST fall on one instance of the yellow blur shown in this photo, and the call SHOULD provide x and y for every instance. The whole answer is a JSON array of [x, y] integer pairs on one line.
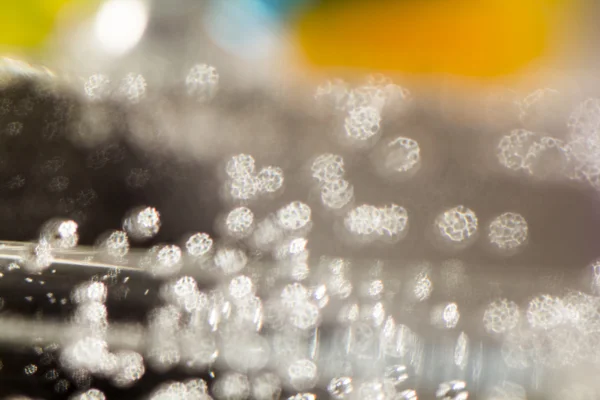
[[476, 38], [26, 24]]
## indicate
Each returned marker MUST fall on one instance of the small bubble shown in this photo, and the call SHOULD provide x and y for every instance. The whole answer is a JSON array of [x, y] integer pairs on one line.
[[91, 394], [14, 128], [97, 87], [89, 292], [38, 256], [363, 221], [240, 287], [31, 369], [163, 260], [328, 168], [62, 386], [266, 386], [302, 374], [397, 374], [244, 187], [16, 182], [545, 312], [239, 222], [452, 390], [362, 123], [337, 194], [457, 224], [513, 150], [408, 394], [508, 231], [60, 233], [52, 375], [130, 368], [501, 316], [445, 316], [230, 260], [461, 351], [270, 179], [232, 386], [53, 165], [202, 82], [240, 166], [24, 107], [340, 388], [199, 244], [5, 106], [376, 389], [142, 223], [402, 155], [303, 396], [196, 387], [294, 216], [115, 245], [333, 93], [394, 222], [133, 88], [138, 178]]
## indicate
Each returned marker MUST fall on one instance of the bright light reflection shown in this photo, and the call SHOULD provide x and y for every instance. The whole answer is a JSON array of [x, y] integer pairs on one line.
[[120, 24]]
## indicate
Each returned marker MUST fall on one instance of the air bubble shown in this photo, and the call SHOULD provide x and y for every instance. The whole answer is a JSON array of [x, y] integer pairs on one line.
[[202, 82], [340, 388], [508, 231], [142, 223]]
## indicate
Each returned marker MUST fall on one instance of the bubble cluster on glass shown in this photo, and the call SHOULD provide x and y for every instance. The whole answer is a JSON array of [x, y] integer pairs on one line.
[[367, 222], [244, 183], [281, 299]]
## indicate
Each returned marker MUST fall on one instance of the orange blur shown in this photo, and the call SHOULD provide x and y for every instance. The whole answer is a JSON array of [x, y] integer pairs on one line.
[[475, 38]]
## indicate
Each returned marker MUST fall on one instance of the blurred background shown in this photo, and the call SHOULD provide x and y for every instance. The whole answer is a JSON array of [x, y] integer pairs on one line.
[[410, 185]]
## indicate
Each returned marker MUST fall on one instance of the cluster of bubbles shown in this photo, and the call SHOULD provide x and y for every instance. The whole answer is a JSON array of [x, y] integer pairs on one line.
[[268, 320], [245, 184], [261, 327], [573, 157], [362, 105], [328, 172], [553, 331], [201, 82], [458, 226], [535, 155], [55, 235], [132, 88], [192, 389], [87, 352], [367, 223]]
